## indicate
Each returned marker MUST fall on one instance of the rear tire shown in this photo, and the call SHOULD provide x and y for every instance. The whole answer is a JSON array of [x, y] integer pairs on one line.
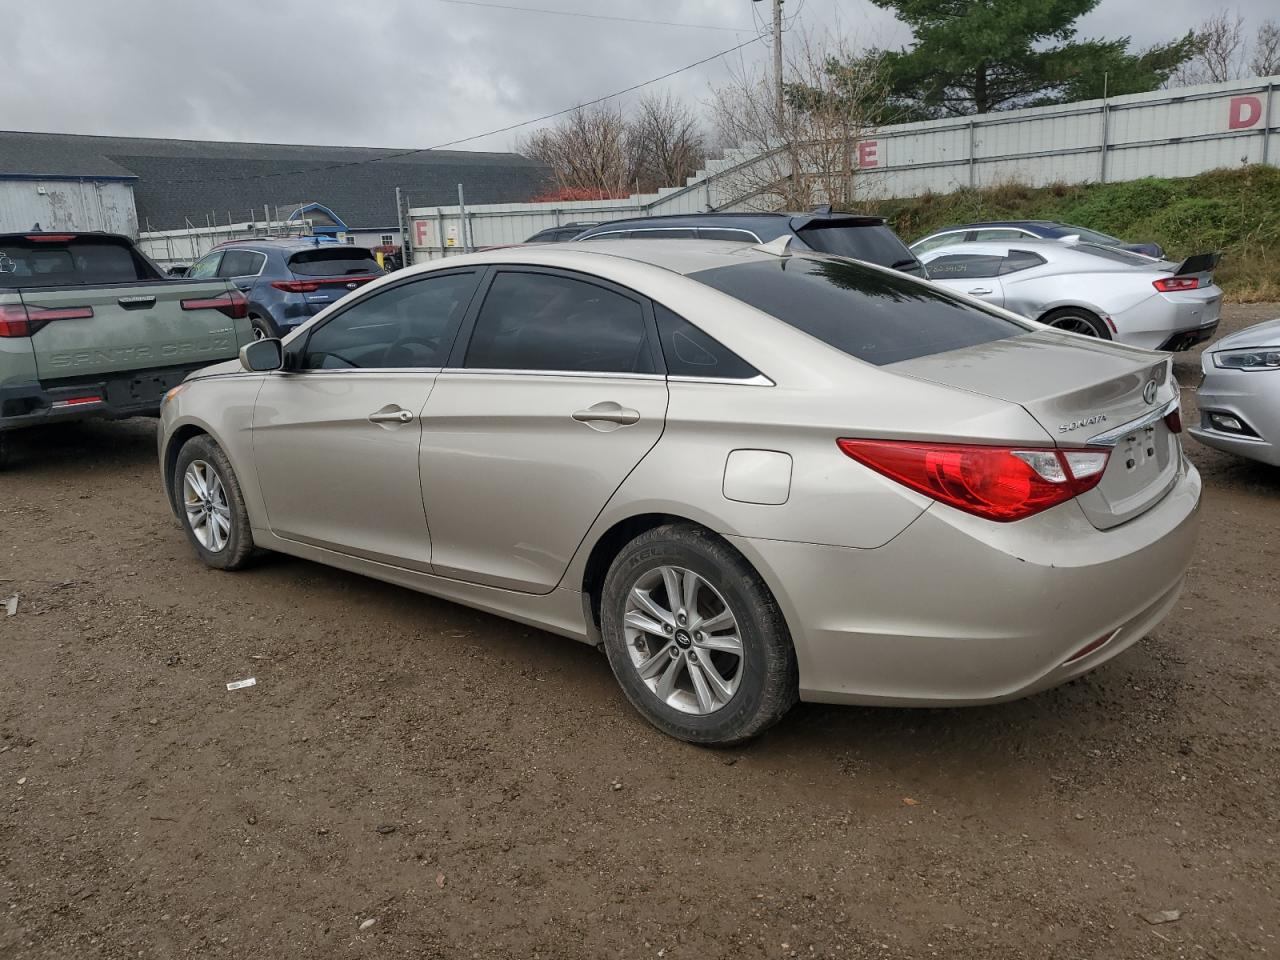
[[1077, 320], [210, 505], [719, 685]]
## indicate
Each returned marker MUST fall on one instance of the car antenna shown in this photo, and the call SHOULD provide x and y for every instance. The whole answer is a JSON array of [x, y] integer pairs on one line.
[[776, 248]]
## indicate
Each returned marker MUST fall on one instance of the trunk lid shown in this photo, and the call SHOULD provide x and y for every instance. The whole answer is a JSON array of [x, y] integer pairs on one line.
[[1080, 390]]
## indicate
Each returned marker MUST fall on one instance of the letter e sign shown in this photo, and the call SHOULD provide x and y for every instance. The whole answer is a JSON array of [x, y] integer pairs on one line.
[[869, 153]]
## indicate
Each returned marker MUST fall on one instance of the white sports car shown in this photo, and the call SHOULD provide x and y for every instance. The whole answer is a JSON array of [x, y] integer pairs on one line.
[[1088, 289]]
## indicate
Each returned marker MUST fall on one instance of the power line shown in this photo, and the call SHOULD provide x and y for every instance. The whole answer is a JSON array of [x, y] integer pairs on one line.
[[594, 16], [479, 136]]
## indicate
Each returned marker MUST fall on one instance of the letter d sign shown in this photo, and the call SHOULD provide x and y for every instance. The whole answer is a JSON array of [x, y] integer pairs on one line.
[[1245, 112]]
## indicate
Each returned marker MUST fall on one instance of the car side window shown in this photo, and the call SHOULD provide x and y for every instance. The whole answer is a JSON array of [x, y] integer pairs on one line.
[[725, 233], [664, 233], [206, 268], [408, 325], [541, 321], [1006, 233], [240, 263], [690, 352], [941, 240], [964, 266], [1016, 260]]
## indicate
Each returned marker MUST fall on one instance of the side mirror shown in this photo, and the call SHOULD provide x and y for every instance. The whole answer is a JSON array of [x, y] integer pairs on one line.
[[262, 355]]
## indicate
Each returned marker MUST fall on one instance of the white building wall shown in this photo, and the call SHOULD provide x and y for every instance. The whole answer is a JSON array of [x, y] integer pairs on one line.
[[1168, 133], [67, 205]]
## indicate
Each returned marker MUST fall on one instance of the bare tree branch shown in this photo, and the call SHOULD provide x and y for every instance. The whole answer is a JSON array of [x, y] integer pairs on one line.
[[1265, 61]]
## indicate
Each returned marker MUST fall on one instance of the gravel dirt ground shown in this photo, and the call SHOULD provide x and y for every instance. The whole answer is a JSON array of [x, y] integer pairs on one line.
[[410, 778]]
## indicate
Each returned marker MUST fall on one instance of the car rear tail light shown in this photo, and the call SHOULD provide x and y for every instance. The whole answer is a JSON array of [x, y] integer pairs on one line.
[[295, 286], [51, 237], [996, 483], [1174, 284], [20, 321], [311, 286], [233, 303], [77, 401], [1089, 647], [1173, 420]]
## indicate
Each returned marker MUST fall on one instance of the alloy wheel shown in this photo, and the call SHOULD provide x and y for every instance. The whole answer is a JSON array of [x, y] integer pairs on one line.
[[205, 500], [1075, 324], [683, 640]]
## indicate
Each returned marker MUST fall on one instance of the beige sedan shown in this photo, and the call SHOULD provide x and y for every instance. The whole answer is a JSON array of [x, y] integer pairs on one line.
[[751, 476]]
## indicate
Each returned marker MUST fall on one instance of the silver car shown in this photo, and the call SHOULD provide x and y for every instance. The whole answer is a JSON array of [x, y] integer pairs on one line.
[[750, 476], [1087, 288], [1239, 398]]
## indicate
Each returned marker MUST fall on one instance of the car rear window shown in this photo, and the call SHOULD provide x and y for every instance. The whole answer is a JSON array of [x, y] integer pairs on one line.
[[875, 316], [333, 261], [79, 260], [1113, 253], [873, 243]]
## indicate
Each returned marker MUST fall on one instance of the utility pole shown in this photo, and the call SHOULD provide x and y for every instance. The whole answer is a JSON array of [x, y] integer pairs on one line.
[[777, 54]]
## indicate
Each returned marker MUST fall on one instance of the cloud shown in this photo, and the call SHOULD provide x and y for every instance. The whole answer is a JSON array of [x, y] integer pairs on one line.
[[395, 73]]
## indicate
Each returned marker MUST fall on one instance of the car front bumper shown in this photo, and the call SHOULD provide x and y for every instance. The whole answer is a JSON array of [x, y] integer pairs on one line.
[[957, 610], [1253, 398]]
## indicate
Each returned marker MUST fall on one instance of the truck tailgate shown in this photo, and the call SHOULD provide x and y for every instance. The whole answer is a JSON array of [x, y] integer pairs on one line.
[[86, 331]]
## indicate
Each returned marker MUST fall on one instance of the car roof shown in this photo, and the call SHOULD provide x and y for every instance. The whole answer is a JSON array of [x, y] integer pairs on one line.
[[288, 243], [984, 224], [746, 220], [1054, 251]]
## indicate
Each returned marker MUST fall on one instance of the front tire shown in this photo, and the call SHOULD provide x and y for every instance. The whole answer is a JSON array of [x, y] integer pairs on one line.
[[1078, 320], [210, 505], [695, 638]]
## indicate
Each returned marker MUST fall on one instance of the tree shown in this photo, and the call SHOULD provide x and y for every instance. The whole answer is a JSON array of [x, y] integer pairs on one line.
[[809, 152], [1220, 51], [667, 142], [976, 56], [588, 151], [1265, 60]]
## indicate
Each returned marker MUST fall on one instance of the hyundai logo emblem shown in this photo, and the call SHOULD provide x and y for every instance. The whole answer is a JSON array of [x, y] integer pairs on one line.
[[1149, 392]]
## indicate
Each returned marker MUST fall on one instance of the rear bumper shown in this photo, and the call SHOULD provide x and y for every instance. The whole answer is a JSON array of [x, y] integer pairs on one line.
[[135, 394], [958, 610], [1171, 321]]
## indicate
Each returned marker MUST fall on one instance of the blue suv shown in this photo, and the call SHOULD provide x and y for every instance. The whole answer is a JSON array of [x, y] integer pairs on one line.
[[288, 280]]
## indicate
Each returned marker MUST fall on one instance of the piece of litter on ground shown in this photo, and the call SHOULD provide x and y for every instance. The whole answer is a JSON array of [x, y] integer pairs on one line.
[[11, 606], [440, 880], [241, 684], [365, 925], [1162, 916], [21, 781], [908, 801]]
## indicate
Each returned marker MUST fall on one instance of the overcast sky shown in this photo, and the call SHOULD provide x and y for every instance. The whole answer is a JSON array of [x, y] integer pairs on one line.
[[401, 73]]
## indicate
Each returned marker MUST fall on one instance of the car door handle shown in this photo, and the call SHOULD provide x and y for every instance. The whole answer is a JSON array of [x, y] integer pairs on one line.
[[391, 416], [608, 412], [979, 290]]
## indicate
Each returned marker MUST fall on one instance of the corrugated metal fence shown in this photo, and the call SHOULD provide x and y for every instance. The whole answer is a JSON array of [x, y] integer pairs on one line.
[[1168, 133]]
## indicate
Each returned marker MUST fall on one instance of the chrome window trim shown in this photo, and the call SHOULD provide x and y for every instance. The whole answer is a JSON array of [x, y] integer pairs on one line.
[[1115, 435], [401, 371], [749, 233], [759, 380], [614, 233], [580, 374]]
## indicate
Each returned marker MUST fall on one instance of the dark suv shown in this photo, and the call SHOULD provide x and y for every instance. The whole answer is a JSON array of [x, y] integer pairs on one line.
[[843, 234], [288, 280]]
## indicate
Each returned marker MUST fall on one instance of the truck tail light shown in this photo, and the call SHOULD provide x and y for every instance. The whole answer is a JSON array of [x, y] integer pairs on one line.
[[233, 303], [993, 482], [19, 321], [1175, 284]]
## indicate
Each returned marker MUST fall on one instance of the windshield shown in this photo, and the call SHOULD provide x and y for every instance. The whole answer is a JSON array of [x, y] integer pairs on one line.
[[872, 243], [70, 260], [334, 261], [875, 316]]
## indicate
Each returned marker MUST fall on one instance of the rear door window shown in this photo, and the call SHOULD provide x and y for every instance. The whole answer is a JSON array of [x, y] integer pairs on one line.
[[689, 352], [998, 234], [70, 261], [717, 233], [664, 233], [875, 316], [334, 261], [964, 266], [540, 321], [241, 263]]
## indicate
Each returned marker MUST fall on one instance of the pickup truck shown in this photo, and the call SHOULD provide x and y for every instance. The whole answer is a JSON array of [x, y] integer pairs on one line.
[[89, 327]]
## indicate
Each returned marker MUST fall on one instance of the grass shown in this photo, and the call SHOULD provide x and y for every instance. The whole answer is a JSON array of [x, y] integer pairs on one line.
[[1234, 211]]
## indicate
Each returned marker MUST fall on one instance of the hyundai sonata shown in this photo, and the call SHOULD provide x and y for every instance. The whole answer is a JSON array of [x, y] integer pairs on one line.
[[751, 476]]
